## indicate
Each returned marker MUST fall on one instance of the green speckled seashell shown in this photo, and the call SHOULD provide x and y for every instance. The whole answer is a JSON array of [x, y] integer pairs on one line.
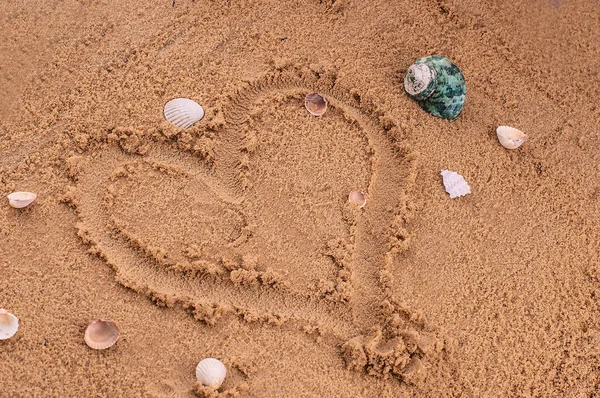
[[437, 85]]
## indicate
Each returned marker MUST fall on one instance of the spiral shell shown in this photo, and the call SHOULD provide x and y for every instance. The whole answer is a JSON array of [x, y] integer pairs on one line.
[[510, 138], [18, 200], [183, 112], [9, 324], [315, 104], [455, 184], [101, 334], [211, 372], [438, 85]]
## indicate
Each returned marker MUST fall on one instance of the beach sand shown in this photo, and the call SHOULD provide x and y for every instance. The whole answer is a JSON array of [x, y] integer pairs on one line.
[[234, 238]]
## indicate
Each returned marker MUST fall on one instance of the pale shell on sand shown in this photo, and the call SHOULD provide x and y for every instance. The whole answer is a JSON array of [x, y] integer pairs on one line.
[[211, 372], [18, 200], [510, 138], [9, 324], [358, 199], [183, 112], [455, 184], [315, 104], [101, 334]]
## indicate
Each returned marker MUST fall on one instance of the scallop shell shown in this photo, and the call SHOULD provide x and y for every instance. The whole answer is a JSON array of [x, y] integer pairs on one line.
[[510, 138], [101, 334], [455, 184], [211, 372], [18, 200], [183, 112], [315, 104], [438, 85], [9, 324], [357, 198]]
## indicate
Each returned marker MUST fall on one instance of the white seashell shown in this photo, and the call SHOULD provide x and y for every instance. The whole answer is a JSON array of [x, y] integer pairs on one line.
[[211, 372], [315, 104], [101, 334], [357, 198], [18, 200], [183, 112], [455, 184], [510, 138], [9, 324]]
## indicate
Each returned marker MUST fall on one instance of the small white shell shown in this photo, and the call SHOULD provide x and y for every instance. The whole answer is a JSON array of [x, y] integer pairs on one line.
[[357, 198], [18, 200], [211, 372], [9, 324], [315, 104], [510, 138], [455, 184], [183, 112]]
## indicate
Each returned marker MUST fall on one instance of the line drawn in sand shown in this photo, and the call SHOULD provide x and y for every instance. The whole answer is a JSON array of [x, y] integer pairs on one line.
[[233, 204]]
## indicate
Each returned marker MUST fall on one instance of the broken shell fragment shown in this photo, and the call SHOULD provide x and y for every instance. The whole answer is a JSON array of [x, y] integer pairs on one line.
[[315, 104], [183, 112], [18, 200], [211, 372], [455, 184], [510, 138], [357, 198], [101, 334], [9, 324]]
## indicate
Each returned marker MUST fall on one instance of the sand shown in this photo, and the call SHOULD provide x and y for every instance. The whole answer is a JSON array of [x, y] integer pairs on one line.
[[234, 239]]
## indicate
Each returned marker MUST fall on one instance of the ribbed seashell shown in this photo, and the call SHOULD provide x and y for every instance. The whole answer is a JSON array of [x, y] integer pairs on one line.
[[9, 324], [18, 200], [510, 138], [183, 112], [211, 372], [315, 104], [101, 334], [455, 184], [357, 198], [438, 85]]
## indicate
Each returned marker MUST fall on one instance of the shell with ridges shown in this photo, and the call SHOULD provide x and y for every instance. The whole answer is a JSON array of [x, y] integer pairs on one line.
[[510, 138], [101, 334], [455, 184], [211, 372], [438, 85], [9, 324], [18, 200], [183, 112]]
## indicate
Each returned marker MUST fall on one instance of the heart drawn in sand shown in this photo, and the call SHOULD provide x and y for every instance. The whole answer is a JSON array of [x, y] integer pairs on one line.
[[213, 227]]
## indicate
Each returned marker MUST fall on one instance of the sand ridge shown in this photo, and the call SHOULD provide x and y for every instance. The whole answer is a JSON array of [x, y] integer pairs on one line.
[[225, 271]]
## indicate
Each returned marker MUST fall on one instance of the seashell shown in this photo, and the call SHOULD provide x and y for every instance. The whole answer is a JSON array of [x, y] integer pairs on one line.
[[455, 184], [18, 200], [9, 324], [101, 334], [510, 138], [211, 372], [437, 85], [315, 104], [183, 112], [357, 198]]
